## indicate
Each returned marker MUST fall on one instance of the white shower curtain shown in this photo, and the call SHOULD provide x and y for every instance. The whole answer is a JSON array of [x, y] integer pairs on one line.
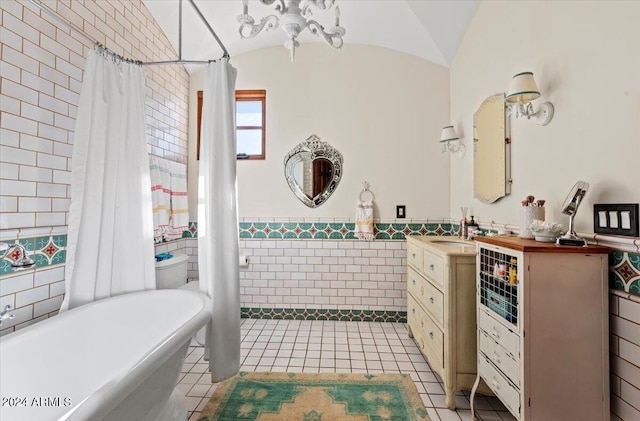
[[110, 247], [218, 219]]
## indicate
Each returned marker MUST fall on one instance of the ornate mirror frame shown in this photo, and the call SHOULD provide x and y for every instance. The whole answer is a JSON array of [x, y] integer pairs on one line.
[[311, 149]]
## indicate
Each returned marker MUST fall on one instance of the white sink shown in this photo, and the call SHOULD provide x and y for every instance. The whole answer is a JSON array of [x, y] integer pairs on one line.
[[453, 243], [448, 245]]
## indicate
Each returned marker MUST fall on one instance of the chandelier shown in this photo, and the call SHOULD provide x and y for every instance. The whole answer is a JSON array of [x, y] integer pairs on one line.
[[293, 20]]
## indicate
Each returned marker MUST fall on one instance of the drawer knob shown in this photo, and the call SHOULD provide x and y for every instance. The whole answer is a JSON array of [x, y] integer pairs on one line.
[[431, 266], [431, 335], [497, 356], [495, 333], [413, 310], [413, 255], [413, 281], [431, 300], [495, 383]]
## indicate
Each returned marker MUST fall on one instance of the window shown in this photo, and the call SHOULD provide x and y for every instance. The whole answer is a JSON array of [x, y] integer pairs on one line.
[[250, 123]]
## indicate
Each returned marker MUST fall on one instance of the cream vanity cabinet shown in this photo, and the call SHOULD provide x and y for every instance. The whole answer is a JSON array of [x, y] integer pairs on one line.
[[441, 309], [543, 337]]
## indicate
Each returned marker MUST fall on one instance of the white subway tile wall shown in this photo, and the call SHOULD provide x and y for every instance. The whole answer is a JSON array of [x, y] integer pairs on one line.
[[41, 65], [32, 294], [625, 357], [175, 246], [342, 274]]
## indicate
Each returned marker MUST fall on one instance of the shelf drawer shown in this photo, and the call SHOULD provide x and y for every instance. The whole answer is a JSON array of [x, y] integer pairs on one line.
[[495, 330], [504, 390], [499, 357], [433, 267], [427, 334], [414, 255], [429, 296]]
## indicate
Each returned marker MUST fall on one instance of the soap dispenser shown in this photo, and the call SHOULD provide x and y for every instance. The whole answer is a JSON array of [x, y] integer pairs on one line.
[[473, 229]]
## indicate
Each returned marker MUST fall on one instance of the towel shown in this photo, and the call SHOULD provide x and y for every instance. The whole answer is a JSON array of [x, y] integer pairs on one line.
[[179, 214], [364, 220], [160, 196], [169, 199]]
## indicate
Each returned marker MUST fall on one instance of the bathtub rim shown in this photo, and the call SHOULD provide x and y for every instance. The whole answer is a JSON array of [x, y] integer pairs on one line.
[[108, 396]]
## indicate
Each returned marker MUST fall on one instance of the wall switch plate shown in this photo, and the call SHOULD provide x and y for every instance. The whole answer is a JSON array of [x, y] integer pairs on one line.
[[616, 219], [401, 211]]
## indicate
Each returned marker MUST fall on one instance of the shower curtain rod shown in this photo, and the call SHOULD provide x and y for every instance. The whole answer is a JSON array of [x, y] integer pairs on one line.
[[71, 26], [211, 31]]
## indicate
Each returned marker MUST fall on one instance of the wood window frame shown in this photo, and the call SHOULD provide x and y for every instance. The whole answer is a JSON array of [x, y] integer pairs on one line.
[[242, 95]]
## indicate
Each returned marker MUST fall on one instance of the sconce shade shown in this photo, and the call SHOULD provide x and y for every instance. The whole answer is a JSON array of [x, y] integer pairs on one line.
[[523, 89], [448, 134]]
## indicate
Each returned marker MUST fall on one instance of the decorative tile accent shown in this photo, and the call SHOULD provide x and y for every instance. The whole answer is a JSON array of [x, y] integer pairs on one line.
[[192, 232], [323, 314], [330, 230], [46, 251], [624, 271]]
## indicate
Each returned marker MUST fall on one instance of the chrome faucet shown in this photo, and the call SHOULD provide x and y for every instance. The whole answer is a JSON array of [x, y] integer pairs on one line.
[[18, 255], [4, 314]]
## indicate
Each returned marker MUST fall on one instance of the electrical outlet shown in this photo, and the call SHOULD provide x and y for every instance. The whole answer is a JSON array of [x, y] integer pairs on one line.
[[401, 211]]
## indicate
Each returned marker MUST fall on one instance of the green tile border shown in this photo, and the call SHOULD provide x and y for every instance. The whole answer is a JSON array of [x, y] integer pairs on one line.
[[351, 315], [624, 267], [46, 251], [330, 230]]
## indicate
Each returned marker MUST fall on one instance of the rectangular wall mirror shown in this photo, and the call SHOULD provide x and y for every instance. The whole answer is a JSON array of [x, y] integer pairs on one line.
[[491, 150]]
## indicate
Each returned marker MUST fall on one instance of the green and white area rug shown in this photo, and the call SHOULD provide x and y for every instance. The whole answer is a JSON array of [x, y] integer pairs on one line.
[[315, 397]]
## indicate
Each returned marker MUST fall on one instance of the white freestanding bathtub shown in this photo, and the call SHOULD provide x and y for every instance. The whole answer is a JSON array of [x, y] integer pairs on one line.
[[115, 359]]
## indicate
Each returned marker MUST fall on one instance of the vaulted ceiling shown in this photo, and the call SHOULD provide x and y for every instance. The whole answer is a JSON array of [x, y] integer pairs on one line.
[[430, 29]]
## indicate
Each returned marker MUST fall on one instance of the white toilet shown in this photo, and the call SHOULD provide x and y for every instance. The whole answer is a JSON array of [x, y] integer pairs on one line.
[[172, 273]]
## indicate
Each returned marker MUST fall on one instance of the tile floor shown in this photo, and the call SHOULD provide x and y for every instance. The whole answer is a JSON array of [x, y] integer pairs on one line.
[[328, 346]]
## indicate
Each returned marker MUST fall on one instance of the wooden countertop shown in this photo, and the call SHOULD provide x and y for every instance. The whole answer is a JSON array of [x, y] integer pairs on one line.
[[533, 246]]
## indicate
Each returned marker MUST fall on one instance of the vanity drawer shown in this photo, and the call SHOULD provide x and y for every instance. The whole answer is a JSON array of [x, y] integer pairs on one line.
[[434, 343], [508, 394], [413, 314], [429, 296], [507, 339], [427, 335], [414, 255], [499, 357], [433, 267]]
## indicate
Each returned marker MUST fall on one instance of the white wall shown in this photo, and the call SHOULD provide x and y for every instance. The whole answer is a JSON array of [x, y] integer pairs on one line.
[[586, 61], [383, 110]]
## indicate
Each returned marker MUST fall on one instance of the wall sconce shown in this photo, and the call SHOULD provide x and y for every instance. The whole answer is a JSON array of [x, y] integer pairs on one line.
[[451, 142], [522, 91]]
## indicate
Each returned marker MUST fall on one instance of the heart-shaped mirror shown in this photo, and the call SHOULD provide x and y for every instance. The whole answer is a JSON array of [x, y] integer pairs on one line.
[[313, 170]]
